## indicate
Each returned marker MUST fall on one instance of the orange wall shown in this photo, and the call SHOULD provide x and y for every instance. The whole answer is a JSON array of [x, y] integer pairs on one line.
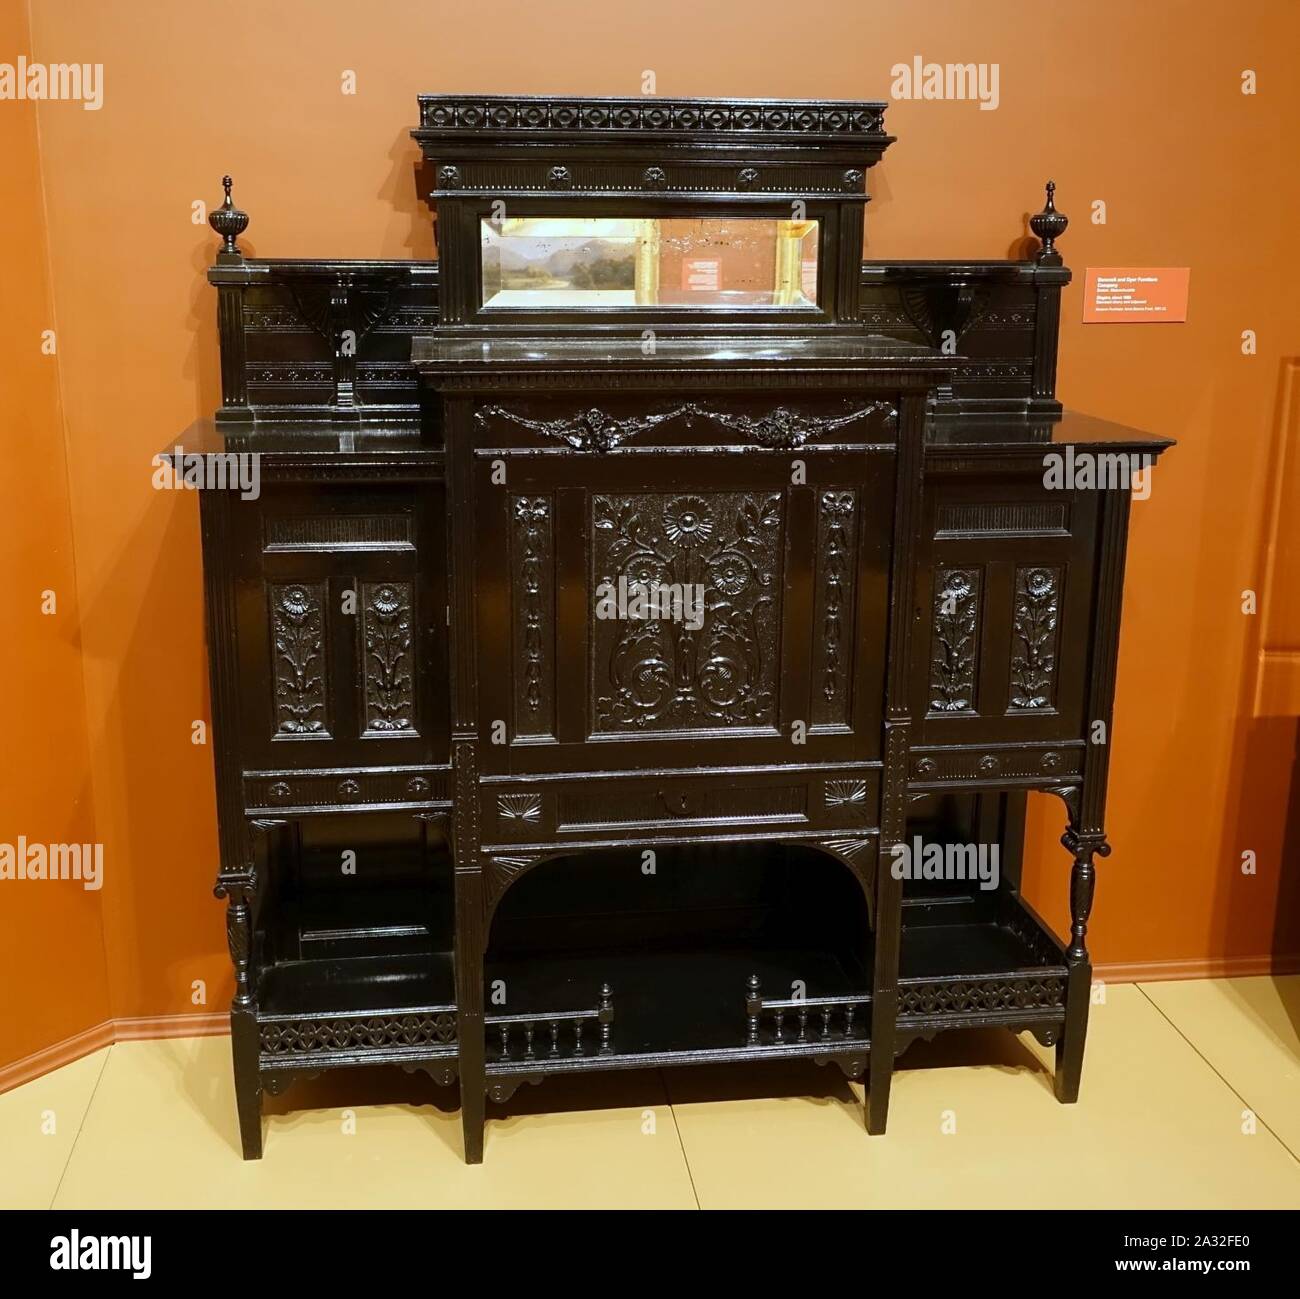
[[1138, 105], [51, 937]]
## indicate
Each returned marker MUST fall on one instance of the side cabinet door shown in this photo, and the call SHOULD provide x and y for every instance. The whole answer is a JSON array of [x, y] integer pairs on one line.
[[1005, 605], [342, 611]]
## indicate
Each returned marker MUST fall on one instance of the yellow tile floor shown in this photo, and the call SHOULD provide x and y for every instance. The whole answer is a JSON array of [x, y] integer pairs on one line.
[[1189, 1100]]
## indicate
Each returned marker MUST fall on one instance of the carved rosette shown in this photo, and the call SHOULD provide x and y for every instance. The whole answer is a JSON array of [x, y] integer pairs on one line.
[[1034, 624], [299, 681], [955, 640]]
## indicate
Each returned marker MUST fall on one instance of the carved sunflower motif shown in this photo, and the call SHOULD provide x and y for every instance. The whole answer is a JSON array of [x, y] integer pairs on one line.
[[645, 570], [957, 587], [729, 573], [386, 602], [295, 603], [1038, 583], [688, 521]]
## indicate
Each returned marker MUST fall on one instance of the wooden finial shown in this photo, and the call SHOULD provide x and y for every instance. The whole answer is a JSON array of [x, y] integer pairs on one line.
[[229, 222], [1049, 225]]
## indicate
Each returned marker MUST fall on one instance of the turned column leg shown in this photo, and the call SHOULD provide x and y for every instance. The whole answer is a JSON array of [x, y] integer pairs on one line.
[[1078, 989]]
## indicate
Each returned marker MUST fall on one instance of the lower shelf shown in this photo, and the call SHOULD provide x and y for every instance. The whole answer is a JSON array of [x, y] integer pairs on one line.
[[336, 1011], [673, 1007], [1005, 969]]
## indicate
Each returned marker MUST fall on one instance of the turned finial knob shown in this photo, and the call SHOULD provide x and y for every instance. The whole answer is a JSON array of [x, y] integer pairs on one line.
[[1049, 225], [228, 221]]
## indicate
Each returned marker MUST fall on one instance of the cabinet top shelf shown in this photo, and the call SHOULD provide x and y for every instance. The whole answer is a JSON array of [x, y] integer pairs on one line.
[[606, 351]]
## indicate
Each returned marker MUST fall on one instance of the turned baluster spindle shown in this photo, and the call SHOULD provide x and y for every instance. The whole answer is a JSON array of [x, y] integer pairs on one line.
[[803, 1023], [606, 1017], [529, 1029], [555, 1037], [826, 1021], [577, 1036], [505, 1041], [753, 1007]]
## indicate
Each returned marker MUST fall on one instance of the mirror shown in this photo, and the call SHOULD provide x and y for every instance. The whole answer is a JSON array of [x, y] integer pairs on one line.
[[723, 263]]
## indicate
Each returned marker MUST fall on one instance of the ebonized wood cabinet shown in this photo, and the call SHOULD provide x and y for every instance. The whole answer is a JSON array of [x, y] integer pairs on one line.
[[471, 825]]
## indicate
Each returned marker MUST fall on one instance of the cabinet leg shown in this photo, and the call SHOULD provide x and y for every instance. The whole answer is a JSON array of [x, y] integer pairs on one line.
[[1069, 1050], [248, 1081], [880, 1068], [878, 1083], [1078, 989], [473, 1087], [473, 1110]]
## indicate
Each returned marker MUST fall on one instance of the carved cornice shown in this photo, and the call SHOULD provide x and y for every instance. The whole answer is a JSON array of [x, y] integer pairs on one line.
[[538, 118]]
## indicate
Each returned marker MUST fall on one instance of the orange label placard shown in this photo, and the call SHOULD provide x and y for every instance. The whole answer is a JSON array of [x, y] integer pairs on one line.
[[1147, 295]]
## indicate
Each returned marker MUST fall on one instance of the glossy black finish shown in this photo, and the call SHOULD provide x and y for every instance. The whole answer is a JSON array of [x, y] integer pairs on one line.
[[469, 826]]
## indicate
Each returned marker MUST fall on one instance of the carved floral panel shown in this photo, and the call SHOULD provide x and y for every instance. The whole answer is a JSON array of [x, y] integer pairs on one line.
[[955, 641], [388, 658], [1035, 619], [299, 672], [709, 661]]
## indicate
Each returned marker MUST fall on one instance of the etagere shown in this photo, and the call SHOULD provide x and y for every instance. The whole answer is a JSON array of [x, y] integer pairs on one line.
[[621, 590]]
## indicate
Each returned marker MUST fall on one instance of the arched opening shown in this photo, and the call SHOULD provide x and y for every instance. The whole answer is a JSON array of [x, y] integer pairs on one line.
[[676, 933]]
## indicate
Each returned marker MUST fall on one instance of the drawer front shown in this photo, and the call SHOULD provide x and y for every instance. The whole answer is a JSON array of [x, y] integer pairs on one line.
[[597, 809]]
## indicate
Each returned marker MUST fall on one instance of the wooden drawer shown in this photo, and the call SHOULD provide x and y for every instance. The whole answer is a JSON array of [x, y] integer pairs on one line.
[[674, 805]]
